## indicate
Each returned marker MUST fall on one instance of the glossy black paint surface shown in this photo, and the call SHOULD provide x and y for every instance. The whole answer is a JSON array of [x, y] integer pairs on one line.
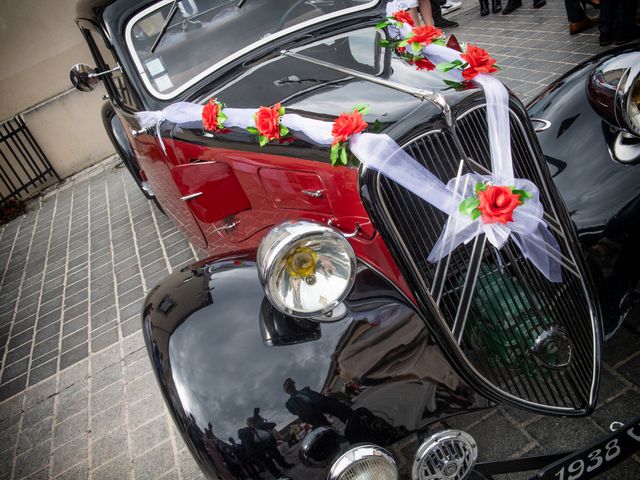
[[602, 195], [216, 364]]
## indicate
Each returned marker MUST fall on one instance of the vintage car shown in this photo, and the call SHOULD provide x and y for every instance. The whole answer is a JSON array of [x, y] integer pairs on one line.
[[316, 340]]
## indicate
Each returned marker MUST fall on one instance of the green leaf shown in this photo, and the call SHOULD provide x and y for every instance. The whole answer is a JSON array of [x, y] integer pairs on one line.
[[402, 43], [455, 85], [475, 214], [284, 131], [468, 205], [416, 47], [252, 130], [382, 24], [377, 126], [263, 140], [444, 66], [363, 108], [385, 43], [440, 41], [524, 195], [281, 111], [343, 155], [334, 153], [222, 117], [480, 187]]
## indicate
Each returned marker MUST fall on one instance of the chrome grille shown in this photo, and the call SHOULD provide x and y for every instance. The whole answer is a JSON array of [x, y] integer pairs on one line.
[[494, 305]]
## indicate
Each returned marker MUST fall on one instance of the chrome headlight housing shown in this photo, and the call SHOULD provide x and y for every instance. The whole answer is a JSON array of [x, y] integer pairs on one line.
[[364, 462], [307, 269], [613, 90]]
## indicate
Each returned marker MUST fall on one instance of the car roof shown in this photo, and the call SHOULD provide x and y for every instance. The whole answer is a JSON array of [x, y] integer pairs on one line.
[[92, 9]]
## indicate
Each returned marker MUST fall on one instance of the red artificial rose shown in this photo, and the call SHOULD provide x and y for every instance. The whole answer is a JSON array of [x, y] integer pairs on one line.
[[497, 204], [401, 50], [347, 124], [479, 62], [403, 16], [425, 34], [268, 121], [424, 64], [210, 115]]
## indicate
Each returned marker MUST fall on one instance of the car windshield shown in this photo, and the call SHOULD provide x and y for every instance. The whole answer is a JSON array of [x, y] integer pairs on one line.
[[203, 35]]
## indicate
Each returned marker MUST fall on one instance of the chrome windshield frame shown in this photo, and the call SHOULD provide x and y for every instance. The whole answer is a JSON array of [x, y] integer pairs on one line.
[[243, 51]]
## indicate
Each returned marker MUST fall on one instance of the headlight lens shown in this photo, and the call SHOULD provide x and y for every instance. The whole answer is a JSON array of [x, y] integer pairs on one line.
[[306, 268], [367, 462], [633, 107]]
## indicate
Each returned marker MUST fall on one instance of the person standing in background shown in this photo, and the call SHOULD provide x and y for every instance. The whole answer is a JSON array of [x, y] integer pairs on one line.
[[577, 16], [617, 22]]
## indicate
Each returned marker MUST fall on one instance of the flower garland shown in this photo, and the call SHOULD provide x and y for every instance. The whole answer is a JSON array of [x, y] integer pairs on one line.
[[475, 60], [498, 205], [493, 203]]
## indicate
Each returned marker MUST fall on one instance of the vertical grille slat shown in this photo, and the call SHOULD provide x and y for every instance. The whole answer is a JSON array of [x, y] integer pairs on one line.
[[512, 302]]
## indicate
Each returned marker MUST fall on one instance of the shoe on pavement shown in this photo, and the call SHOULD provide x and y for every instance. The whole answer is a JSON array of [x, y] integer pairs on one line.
[[539, 3], [450, 6], [627, 35], [444, 23], [606, 38], [585, 24], [512, 5]]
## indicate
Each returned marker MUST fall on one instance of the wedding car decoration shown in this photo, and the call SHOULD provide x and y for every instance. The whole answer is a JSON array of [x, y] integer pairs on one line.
[[499, 205]]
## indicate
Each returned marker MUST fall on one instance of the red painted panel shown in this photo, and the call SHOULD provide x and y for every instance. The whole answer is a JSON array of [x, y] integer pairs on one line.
[[221, 193], [293, 189]]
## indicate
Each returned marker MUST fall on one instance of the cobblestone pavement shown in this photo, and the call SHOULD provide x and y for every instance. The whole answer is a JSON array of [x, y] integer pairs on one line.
[[77, 395]]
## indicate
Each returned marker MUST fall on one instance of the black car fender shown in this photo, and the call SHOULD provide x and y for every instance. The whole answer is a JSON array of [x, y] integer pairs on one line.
[[221, 354]]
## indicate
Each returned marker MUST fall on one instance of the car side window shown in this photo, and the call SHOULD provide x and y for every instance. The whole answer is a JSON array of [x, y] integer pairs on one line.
[[120, 88]]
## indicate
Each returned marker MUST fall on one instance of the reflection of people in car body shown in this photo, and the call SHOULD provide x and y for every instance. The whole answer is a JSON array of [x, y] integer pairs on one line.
[[311, 406]]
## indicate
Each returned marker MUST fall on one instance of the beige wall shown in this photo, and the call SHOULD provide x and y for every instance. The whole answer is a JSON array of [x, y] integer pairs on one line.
[[40, 41]]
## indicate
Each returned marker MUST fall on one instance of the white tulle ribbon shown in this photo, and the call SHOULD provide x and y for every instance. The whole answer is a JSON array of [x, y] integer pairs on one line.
[[381, 153]]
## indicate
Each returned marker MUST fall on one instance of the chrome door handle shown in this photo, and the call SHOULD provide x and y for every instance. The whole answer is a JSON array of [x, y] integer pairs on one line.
[[545, 124], [190, 196], [314, 193]]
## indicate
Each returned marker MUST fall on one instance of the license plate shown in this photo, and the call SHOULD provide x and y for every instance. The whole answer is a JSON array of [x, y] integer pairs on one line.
[[598, 458]]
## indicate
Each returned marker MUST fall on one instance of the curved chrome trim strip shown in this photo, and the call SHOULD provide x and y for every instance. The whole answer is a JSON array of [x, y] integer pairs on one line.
[[230, 58]]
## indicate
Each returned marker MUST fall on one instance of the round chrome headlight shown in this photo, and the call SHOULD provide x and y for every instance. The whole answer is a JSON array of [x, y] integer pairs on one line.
[[366, 462], [613, 89], [307, 269]]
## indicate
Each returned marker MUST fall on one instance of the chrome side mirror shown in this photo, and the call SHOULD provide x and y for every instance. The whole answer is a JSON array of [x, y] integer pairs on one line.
[[83, 77]]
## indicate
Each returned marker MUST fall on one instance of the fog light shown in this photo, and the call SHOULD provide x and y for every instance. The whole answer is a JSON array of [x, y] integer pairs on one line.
[[367, 462], [306, 268]]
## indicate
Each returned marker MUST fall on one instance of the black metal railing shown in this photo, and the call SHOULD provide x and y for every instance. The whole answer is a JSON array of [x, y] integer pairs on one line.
[[24, 168]]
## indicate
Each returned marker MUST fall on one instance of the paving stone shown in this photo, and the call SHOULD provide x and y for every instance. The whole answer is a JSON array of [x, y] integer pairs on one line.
[[77, 374], [154, 463], [70, 402], [631, 370], [105, 358], [11, 407], [149, 435], [617, 410], [108, 420], [33, 460], [188, 467], [41, 372], [105, 377], [105, 339], [40, 392], [107, 397], [109, 446], [35, 435], [558, 434], [117, 469], [77, 472], [71, 428], [9, 389], [74, 355], [9, 431], [144, 410], [497, 438], [69, 455], [38, 412]]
